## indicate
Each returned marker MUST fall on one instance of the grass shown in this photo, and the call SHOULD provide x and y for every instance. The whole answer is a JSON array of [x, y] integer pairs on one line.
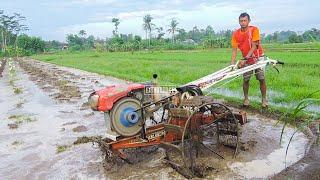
[[17, 90], [12, 77], [62, 148], [16, 143], [297, 78], [20, 119], [314, 45]]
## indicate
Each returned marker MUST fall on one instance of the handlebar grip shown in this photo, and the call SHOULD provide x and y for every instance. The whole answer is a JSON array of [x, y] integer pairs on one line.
[[280, 62]]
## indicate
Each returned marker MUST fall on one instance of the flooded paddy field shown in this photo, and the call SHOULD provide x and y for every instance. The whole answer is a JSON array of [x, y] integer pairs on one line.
[[44, 110]]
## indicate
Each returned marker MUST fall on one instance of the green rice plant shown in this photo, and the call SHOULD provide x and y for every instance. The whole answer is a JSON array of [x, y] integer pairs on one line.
[[292, 117], [62, 148], [17, 90], [20, 119], [17, 142], [298, 77]]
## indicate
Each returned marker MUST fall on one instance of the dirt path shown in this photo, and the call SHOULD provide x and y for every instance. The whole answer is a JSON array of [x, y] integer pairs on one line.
[[44, 110]]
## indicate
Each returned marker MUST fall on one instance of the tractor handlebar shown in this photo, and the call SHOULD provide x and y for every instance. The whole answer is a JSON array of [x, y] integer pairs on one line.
[[280, 62]]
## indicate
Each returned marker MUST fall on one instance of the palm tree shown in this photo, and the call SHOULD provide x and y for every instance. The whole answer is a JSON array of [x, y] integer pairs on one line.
[[7, 24], [173, 27], [17, 27], [2, 28], [116, 22], [82, 33], [160, 32], [147, 26]]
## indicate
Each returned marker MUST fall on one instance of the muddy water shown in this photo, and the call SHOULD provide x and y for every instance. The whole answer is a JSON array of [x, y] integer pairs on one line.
[[30, 150], [266, 156], [272, 95]]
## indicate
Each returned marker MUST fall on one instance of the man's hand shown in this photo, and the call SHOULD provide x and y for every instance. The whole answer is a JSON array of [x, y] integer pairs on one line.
[[241, 64], [247, 57], [254, 46]]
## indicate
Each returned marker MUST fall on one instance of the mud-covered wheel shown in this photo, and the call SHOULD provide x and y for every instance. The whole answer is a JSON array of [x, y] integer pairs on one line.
[[123, 117], [228, 127], [200, 141]]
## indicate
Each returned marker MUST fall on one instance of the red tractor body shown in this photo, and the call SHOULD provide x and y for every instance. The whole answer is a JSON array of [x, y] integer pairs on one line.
[[111, 94]]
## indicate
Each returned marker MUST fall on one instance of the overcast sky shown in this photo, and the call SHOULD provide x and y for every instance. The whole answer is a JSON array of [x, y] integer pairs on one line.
[[53, 19]]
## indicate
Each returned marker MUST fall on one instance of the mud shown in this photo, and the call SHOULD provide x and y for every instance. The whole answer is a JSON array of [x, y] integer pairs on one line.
[[40, 99], [13, 126], [56, 97], [2, 66], [86, 139], [309, 166], [80, 129]]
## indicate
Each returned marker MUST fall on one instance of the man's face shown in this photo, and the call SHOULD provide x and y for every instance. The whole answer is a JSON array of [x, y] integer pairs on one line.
[[244, 22]]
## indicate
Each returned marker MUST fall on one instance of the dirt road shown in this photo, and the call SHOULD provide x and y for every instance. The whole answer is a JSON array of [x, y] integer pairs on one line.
[[44, 110]]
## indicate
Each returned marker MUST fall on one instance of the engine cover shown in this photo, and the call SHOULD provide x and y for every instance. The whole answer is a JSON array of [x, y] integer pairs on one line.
[[109, 95]]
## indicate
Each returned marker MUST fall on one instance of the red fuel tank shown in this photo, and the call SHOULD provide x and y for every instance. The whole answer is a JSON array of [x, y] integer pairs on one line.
[[111, 94]]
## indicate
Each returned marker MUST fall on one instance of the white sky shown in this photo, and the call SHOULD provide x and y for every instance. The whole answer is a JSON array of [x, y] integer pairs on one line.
[[54, 19]]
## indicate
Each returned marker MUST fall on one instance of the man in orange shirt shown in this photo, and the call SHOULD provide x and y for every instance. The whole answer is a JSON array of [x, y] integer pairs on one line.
[[247, 39]]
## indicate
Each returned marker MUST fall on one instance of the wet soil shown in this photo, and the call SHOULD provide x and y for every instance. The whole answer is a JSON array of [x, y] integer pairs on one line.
[[58, 145], [306, 168], [80, 129], [2, 65]]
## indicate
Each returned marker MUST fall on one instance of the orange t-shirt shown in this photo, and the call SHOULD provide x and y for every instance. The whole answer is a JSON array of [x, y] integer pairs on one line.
[[243, 41]]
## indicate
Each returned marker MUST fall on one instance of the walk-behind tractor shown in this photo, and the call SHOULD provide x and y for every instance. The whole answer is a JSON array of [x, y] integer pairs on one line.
[[187, 124]]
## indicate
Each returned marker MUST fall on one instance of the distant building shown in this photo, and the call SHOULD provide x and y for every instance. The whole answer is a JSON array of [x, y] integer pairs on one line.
[[189, 42], [65, 47]]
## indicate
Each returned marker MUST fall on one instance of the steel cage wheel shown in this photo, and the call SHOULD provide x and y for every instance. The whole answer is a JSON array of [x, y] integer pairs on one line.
[[192, 142]]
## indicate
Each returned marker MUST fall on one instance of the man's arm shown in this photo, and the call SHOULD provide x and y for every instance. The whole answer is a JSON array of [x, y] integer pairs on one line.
[[234, 45], [255, 42], [234, 55], [254, 46]]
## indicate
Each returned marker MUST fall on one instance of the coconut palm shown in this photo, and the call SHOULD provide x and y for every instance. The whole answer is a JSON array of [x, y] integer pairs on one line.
[[160, 32], [173, 27], [6, 25], [82, 33], [17, 27], [116, 22], [147, 26]]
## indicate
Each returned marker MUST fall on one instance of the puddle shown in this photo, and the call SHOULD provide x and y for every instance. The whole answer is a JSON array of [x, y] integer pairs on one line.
[[270, 156], [271, 93]]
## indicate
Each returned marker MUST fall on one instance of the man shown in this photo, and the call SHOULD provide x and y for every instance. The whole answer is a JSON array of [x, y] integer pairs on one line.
[[247, 39]]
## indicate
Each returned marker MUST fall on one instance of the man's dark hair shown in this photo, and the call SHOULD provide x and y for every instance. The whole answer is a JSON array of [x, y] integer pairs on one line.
[[242, 15]]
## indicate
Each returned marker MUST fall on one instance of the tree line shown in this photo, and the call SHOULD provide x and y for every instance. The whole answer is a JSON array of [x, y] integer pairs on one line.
[[14, 41], [178, 38]]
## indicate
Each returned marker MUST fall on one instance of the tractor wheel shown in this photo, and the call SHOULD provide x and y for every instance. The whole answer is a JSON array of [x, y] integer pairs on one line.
[[124, 120], [189, 94], [200, 139]]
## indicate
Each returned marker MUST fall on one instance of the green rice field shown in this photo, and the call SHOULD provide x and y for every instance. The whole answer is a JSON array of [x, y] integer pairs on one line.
[[299, 76]]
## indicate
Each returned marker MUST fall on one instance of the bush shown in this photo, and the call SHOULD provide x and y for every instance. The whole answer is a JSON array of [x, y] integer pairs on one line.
[[179, 46], [99, 47], [75, 47]]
